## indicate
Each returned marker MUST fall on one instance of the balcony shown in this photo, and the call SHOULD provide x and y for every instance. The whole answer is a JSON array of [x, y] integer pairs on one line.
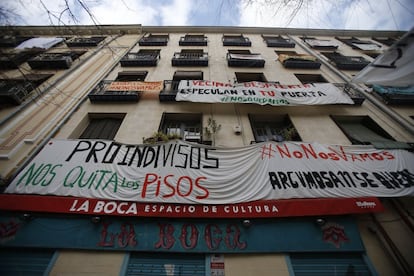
[[356, 43], [84, 41], [154, 40], [347, 62], [53, 60], [357, 97], [193, 40], [13, 60], [245, 60], [301, 61], [12, 41], [190, 58], [395, 95], [142, 58], [278, 41], [104, 93], [15, 91], [231, 40], [321, 44], [170, 91]]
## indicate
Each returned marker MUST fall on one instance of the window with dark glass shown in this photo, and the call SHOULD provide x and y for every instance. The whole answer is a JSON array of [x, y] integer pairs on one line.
[[190, 57], [346, 62], [244, 58], [278, 41], [356, 43], [154, 40], [362, 130], [246, 77], [193, 40], [273, 128], [187, 126], [131, 76], [236, 40], [389, 41], [145, 57], [15, 91], [102, 126], [62, 60], [310, 78], [171, 86]]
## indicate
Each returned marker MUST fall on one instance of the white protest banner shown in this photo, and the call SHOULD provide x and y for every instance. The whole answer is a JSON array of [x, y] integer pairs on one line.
[[395, 67], [183, 172], [261, 93]]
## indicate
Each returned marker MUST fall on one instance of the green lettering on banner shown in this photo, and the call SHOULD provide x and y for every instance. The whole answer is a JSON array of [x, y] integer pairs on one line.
[[43, 175]]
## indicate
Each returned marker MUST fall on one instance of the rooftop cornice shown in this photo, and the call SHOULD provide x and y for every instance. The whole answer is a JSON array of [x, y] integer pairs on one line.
[[138, 29]]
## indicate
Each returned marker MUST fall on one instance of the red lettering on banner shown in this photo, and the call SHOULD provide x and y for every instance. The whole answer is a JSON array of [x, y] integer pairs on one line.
[[178, 188], [307, 151]]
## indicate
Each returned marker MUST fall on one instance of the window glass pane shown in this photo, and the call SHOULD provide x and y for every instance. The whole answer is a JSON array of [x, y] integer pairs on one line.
[[102, 128]]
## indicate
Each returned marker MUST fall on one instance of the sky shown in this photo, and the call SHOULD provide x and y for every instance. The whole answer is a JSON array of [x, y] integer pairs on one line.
[[319, 14]]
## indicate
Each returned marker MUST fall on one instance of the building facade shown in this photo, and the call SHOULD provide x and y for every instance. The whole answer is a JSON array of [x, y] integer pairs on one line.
[[133, 150]]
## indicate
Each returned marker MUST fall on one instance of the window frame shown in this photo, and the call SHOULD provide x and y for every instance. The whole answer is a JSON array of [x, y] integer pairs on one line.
[[275, 126], [94, 118], [183, 122]]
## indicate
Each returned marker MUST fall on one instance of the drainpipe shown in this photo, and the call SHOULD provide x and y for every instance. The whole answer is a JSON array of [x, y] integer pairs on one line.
[[66, 118], [384, 108]]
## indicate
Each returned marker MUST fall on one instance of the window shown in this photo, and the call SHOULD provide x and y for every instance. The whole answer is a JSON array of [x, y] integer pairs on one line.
[[102, 126], [190, 57], [278, 41], [12, 41], [165, 264], [330, 264], [243, 58], [171, 86], [15, 91], [273, 128], [193, 40], [362, 130], [395, 95], [310, 78], [356, 43], [145, 57], [13, 60], [236, 40], [154, 40], [26, 261], [347, 62], [389, 41], [291, 59], [54, 60], [246, 77], [90, 41], [131, 76], [185, 125], [320, 44]]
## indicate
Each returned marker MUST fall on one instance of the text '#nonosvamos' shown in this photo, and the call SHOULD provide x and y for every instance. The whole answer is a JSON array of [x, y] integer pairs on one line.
[[144, 156], [307, 151]]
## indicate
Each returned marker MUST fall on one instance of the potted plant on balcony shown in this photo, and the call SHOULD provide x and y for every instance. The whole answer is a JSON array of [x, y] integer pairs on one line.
[[211, 130], [160, 137]]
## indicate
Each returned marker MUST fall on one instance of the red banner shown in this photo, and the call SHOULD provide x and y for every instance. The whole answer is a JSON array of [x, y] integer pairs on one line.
[[256, 209]]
